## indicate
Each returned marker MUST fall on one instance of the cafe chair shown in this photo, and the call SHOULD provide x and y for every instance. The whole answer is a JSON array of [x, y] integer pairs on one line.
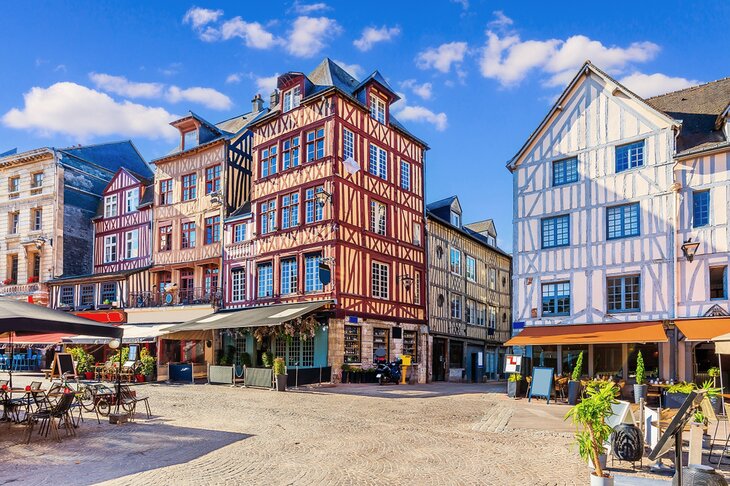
[[130, 400], [48, 417]]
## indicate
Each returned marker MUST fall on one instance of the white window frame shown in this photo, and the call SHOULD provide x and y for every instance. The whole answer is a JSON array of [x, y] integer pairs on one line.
[[405, 175], [471, 268], [348, 144], [131, 244], [131, 200], [239, 233], [379, 280], [377, 108], [455, 252], [111, 206], [110, 248], [379, 218], [456, 307], [238, 284], [291, 99], [492, 272], [456, 219], [417, 233], [378, 162]]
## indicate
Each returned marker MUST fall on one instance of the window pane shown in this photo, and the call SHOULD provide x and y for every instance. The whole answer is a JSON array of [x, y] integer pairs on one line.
[[565, 171], [556, 231], [700, 208], [629, 156]]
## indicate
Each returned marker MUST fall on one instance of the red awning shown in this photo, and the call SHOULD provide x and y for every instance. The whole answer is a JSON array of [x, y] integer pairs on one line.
[[108, 317], [704, 328], [624, 332], [49, 338]]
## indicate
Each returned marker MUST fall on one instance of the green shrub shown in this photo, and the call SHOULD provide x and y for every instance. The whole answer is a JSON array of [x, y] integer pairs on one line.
[[149, 363], [515, 377], [84, 361], [578, 370], [710, 389], [714, 372], [244, 359], [681, 387], [640, 370], [268, 359], [279, 366]]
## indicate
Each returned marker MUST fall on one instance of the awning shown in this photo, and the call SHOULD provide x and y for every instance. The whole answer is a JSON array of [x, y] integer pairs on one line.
[[703, 329], [270, 315], [133, 334], [49, 338], [625, 332]]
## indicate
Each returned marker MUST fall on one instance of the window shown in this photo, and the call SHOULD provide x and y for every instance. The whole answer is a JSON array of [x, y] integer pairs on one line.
[[131, 244], [481, 314], [312, 283], [623, 293], [378, 215], [239, 233], [492, 278], [417, 234], [290, 153], [110, 206], [405, 175], [86, 295], [13, 223], [456, 219], [166, 238], [213, 179], [67, 295], [108, 292], [36, 269], [190, 139], [456, 307], [189, 187], [238, 284], [378, 162], [166, 192], [288, 276], [266, 280], [455, 261], [470, 312], [381, 341], [131, 198], [491, 240], [14, 187], [348, 144], [471, 268], [268, 216], [556, 299], [290, 210], [212, 229], [380, 280], [292, 98], [36, 183], [410, 344], [629, 156], [188, 235], [268, 161], [700, 208], [718, 279], [565, 171], [417, 289], [623, 221], [315, 144], [492, 322], [210, 279], [13, 269], [314, 210], [377, 108], [110, 249], [352, 344], [556, 231]]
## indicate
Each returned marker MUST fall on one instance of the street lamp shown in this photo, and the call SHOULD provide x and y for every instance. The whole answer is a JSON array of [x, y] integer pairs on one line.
[[689, 248], [39, 242], [407, 280]]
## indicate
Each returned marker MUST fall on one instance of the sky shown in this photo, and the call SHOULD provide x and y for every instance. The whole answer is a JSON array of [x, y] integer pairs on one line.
[[476, 77]]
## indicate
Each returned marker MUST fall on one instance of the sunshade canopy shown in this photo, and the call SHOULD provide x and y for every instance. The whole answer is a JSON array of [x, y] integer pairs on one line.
[[270, 315], [703, 329], [23, 318], [722, 343], [46, 338], [133, 333], [625, 332]]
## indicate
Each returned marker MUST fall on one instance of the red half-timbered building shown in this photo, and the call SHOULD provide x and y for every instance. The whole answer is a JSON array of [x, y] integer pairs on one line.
[[338, 184]]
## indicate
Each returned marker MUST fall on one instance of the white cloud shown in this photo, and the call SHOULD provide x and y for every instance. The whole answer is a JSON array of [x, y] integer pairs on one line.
[[310, 34], [442, 57], [267, 84], [198, 17], [355, 70], [647, 85], [508, 59], [233, 78], [424, 90], [464, 3], [372, 35], [75, 110], [304, 9], [123, 87], [253, 33], [208, 97], [421, 114]]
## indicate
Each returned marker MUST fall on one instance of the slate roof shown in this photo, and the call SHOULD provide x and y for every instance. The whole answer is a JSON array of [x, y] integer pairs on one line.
[[111, 156], [698, 107], [243, 210]]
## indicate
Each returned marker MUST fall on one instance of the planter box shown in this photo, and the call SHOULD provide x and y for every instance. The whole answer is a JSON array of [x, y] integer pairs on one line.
[[673, 400], [513, 389], [573, 392]]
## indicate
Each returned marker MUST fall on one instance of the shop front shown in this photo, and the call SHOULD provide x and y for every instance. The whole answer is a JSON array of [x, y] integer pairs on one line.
[[696, 350]]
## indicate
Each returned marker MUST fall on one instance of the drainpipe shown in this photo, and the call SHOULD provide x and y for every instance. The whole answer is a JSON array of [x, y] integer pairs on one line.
[[676, 187]]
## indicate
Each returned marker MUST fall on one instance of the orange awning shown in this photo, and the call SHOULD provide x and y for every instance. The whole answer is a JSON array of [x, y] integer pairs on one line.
[[704, 328], [625, 332]]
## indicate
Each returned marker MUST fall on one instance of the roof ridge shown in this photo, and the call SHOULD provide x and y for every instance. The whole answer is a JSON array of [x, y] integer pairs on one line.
[[689, 88]]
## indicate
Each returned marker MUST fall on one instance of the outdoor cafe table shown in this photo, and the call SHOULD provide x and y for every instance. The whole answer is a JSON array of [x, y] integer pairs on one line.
[[7, 396]]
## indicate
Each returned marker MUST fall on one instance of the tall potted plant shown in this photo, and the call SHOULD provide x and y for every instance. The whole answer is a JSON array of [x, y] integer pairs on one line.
[[640, 388], [592, 432], [513, 385], [574, 383], [280, 374]]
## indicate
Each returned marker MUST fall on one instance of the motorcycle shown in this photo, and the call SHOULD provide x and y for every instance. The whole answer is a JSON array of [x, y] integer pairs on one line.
[[389, 372]]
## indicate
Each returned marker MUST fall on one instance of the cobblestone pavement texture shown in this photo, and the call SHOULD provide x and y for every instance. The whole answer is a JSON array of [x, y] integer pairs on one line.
[[356, 434]]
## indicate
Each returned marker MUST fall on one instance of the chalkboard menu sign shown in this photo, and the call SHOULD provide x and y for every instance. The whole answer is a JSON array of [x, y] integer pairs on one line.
[[63, 363]]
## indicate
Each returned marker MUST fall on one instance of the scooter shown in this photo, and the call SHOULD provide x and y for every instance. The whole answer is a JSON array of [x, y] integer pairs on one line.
[[389, 372]]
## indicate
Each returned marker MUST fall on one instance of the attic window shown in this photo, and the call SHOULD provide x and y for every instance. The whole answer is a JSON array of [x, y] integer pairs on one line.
[[377, 108], [491, 240], [456, 219], [190, 139], [292, 99]]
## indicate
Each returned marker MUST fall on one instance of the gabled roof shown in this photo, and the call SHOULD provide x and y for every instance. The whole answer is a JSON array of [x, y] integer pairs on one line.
[[441, 203], [486, 226], [378, 78], [242, 212], [111, 156], [585, 70]]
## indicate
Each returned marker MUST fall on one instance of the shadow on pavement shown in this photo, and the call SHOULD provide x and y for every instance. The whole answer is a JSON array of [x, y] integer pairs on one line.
[[429, 390]]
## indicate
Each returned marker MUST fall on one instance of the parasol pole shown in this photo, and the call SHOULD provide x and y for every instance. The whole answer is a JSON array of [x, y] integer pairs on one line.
[[12, 359], [722, 386]]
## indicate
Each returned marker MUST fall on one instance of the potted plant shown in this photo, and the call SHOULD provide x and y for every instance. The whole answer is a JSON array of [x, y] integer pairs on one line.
[[107, 304], [345, 373], [8, 281], [513, 385], [32, 279], [84, 362], [267, 359], [592, 432], [712, 394], [574, 382], [640, 388], [280, 374], [677, 393], [148, 366], [714, 372]]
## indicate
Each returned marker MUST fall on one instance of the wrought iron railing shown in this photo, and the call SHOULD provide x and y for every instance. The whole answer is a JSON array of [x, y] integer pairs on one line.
[[194, 296]]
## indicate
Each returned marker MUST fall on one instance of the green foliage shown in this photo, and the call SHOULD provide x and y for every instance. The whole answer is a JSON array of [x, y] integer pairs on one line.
[[149, 363], [681, 387], [714, 372], [268, 359], [279, 366], [125, 355], [640, 370], [515, 377], [244, 359], [84, 361], [578, 370], [712, 391], [699, 418], [346, 367], [589, 417]]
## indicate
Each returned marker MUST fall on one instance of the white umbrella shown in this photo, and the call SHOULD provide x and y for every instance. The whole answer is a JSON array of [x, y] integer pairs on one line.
[[722, 346]]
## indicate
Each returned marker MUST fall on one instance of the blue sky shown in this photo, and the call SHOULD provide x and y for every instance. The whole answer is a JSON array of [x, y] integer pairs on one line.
[[477, 75]]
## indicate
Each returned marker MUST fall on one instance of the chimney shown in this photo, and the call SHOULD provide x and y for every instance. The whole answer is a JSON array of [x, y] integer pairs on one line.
[[274, 99], [257, 103]]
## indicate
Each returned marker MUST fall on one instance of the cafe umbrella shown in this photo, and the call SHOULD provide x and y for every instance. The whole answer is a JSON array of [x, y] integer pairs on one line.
[[18, 318]]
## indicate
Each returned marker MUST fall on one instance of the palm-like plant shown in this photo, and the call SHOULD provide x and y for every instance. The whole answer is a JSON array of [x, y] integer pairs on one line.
[[640, 370], [578, 370]]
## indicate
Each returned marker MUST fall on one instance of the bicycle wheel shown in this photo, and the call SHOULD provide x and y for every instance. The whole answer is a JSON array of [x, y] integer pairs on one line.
[[86, 398], [103, 407]]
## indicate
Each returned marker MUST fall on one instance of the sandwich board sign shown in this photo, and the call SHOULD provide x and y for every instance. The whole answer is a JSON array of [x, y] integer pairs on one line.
[[513, 363]]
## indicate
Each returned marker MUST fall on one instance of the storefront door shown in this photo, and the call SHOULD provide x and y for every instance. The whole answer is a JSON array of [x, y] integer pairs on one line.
[[439, 359]]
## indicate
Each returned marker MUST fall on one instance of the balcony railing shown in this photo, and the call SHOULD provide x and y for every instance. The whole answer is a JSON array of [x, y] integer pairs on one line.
[[237, 251], [23, 289], [195, 296]]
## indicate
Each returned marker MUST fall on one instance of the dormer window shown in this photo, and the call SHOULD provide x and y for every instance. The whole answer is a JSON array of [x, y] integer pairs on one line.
[[190, 139], [377, 108], [292, 99], [456, 219]]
